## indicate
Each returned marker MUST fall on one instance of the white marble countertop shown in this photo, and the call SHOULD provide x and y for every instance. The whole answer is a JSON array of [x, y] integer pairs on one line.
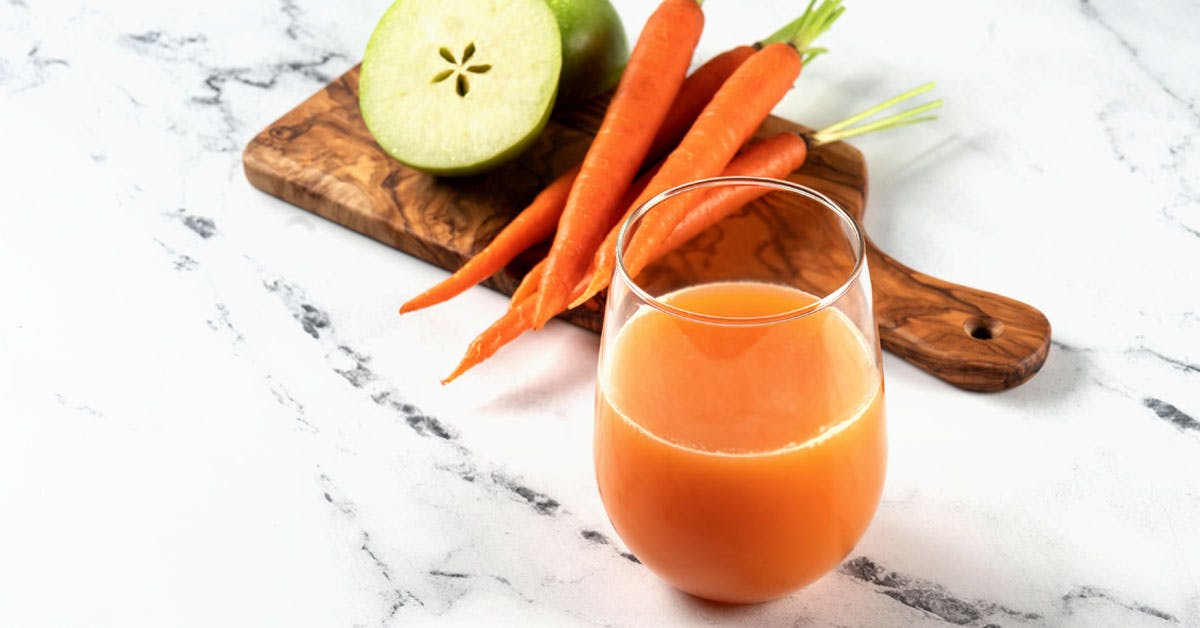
[[211, 415]]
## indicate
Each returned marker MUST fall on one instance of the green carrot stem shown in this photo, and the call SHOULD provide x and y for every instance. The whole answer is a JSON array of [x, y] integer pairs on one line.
[[813, 22], [846, 128], [810, 54], [888, 121], [785, 34], [862, 115], [883, 124]]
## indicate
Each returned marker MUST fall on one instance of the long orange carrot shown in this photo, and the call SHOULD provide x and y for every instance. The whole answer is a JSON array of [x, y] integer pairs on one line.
[[729, 119], [693, 95], [652, 78], [775, 157], [532, 279], [529, 283], [545, 210], [534, 224], [537, 222], [516, 320]]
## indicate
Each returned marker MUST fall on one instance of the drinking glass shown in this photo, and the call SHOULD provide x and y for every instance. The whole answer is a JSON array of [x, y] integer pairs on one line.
[[740, 445]]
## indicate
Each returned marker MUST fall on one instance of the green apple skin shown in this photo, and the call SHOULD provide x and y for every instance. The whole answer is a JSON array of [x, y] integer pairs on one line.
[[500, 158], [594, 48]]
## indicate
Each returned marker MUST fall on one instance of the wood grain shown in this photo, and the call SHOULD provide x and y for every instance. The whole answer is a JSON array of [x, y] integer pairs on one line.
[[320, 157], [973, 339]]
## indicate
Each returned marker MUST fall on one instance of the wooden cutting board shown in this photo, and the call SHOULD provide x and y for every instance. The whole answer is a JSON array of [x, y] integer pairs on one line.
[[321, 157]]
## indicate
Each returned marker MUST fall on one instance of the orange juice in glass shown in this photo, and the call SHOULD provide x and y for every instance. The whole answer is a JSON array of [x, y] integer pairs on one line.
[[739, 437]]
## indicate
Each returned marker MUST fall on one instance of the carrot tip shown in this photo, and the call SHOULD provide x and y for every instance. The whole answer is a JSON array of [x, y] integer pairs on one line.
[[458, 370], [541, 316], [589, 292]]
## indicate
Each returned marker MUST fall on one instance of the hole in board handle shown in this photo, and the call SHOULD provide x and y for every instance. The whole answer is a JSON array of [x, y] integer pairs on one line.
[[983, 327]]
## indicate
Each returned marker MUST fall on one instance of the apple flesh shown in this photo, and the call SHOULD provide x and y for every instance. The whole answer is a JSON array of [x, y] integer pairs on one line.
[[456, 87]]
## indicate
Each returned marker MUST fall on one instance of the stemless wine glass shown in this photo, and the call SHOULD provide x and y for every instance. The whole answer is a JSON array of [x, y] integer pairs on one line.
[[740, 445]]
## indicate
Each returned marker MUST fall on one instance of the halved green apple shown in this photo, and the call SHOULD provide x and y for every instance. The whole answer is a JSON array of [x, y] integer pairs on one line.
[[455, 87]]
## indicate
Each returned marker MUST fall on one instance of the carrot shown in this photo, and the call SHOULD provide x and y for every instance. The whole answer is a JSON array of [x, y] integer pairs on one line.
[[529, 283], [729, 119], [532, 279], [775, 157], [517, 320], [652, 78], [519, 317], [513, 323], [698, 89], [693, 95], [534, 224], [700, 86], [733, 115], [546, 209]]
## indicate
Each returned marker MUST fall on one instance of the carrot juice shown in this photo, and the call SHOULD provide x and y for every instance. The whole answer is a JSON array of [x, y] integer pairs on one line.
[[740, 462]]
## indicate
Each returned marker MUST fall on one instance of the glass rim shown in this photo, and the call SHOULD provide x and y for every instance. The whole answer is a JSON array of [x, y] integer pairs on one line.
[[779, 185]]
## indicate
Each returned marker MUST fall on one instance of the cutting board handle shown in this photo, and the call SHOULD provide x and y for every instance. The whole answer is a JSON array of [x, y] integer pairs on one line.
[[970, 338]]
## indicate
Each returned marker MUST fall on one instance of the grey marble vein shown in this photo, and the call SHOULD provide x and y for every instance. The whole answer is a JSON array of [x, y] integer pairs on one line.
[[928, 596], [222, 323], [1092, 593], [33, 71], [78, 407], [1171, 414], [1090, 11], [181, 261], [192, 49], [294, 14], [318, 324], [1182, 365], [284, 397], [395, 598]]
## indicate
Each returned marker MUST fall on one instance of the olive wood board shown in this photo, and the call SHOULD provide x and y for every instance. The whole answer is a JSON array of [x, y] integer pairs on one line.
[[320, 156]]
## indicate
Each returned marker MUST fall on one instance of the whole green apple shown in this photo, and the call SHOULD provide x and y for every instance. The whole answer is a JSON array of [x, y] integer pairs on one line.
[[594, 48]]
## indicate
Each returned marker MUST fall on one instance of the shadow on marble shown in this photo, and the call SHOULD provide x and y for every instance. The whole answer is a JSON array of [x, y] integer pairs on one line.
[[722, 612], [871, 593], [1064, 375], [877, 216], [523, 393]]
